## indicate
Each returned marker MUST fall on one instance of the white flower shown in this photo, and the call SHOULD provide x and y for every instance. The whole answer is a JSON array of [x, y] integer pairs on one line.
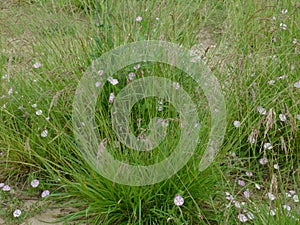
[[296, 198], [298, 116], [44, 133], [287, 207], [139, 19], [37, 65], [2, 185], [229, 196], [276, 166], [45, 193], [257, 186], [294, 41], [111, 97], [160, 108], [282, 117], [272, 212], [98, 84], [283, 26], [247, 193], [237, 204], [268, 146], [35, 183], [17, 213], [284, 11], [113, 81], [137, 66], [288, 195], [178, 200], [236, 123], [261, 110], [249, 174], [6, 188], [281, 77], [297, 84], [131, 76], [271, 196], [39, 112], [271, 82], [10, 91], [47, 118], [176, 85], [292, 192], [263, 161], [242, 218]]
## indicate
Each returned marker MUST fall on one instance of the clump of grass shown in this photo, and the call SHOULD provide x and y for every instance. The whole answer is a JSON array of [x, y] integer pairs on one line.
[[252, 49]]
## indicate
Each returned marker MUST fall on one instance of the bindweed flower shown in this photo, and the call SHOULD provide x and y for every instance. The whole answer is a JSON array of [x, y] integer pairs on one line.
[[261, 110], [294, 41], [296, 198], [17, 213], [263, 161], [138, 19], [111, 97], [268, 146], [247, 193], [176, 85], [35, 183], [45, 193], [271, 196], [137, 66], [241, 183], [34, 105], [287, 207], [178, 200], [236, 123], [282, 117], [10, 91], [37, 65], [113, 81], [276, 166], [100, 72], [44, 133], [284, 11], [283, 26], [271, 82], [272, 212], [2, 185], [6, 188], [39, 112], [242, 218], [257, 186], [297, 84], [131, 76], [229, 196], [98, 84], [249, 174]]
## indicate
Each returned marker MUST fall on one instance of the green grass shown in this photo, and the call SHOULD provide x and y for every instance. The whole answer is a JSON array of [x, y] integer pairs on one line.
[[243, 43]]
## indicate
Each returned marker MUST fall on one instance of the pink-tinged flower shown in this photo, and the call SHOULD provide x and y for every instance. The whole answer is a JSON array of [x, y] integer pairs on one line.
[[131, 76], [6, 188], [2, 185], [35, 183], [137, 66], [271, 196], [241, 182], [249, 174], [247, 193], [45, 193], [229, 196], [242, 218], [37, 65], [17, 213], [139, 19], [287, 207], [100, 72], [236, 123], [263, 161], [98, 84], [297, 84], [10, 91], [237, 204], [113, 81], [282, 117], [178, 200], [111, 97]]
